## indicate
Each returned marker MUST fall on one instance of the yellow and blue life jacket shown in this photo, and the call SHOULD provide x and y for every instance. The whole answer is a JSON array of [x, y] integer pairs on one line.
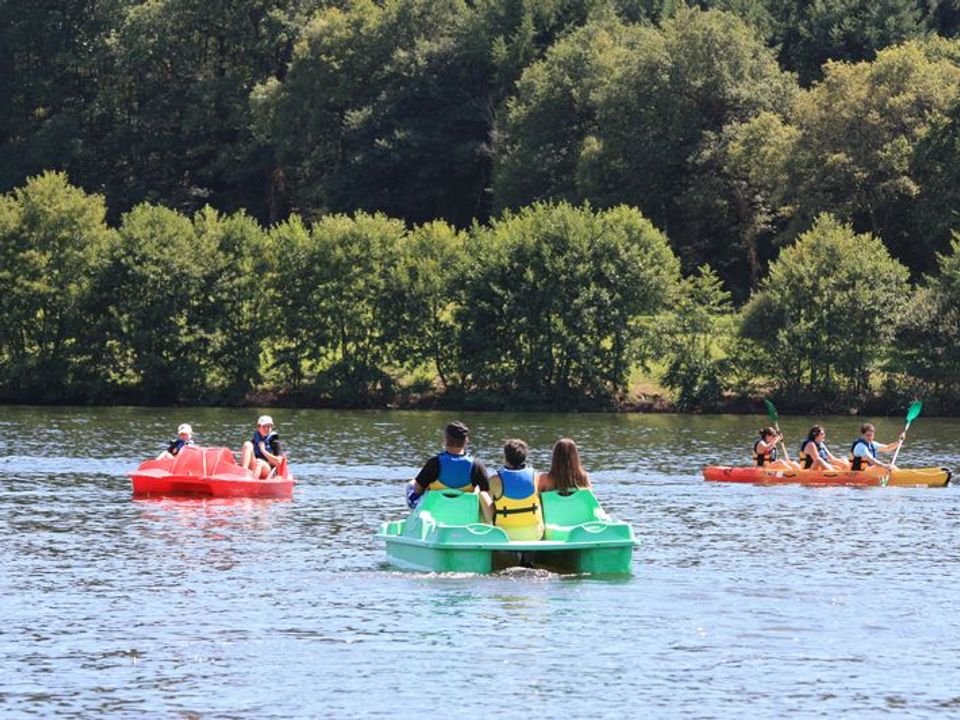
[[856, 461], [517, 509], [454, 472], [807, 460], [769, 457]]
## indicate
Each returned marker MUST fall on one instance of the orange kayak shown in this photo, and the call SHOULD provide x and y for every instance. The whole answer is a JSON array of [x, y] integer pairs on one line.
[[917, 477], [210, 472]]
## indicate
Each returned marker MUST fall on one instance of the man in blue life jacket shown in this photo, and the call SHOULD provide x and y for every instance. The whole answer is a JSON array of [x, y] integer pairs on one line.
[[264, 452], [863, 452], [452, 469], [184, 438]]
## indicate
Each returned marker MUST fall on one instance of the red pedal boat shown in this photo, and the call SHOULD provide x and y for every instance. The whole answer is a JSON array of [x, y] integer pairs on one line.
[[209, 472]]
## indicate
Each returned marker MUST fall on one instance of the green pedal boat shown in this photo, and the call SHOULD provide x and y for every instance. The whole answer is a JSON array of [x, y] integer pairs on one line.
[[445, 534]]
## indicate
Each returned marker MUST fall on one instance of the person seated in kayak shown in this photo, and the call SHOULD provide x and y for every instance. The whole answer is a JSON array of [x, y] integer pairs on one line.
[[765, 452], [863, 452], [815, 455], [452, 469], [515, 502], [184, 438], [263, 453], [566, 473]]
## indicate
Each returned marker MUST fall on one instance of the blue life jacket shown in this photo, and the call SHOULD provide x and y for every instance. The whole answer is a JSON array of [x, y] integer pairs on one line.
[[265, 439], [516, 509], [518, 484], [177, 445], [806, 459], [454, 472], [856, 461], [765, 459]]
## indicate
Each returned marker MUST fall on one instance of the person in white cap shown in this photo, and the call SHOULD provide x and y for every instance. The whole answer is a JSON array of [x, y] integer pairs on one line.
[[184, 437], [264, 452]]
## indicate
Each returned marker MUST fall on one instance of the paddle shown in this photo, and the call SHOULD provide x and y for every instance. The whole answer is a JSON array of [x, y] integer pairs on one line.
[[912, 414], [775, 419]]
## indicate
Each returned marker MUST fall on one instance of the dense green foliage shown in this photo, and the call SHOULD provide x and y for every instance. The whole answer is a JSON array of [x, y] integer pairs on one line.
[[824, 314], [694, 340], [340, 199], [554, 298], [550, 304], [926, 361]]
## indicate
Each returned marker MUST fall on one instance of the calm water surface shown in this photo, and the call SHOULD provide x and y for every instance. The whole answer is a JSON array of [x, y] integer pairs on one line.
[[749, 601]]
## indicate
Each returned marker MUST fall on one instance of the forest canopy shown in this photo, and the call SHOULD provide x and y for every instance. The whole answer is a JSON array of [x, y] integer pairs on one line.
[[340, 200]]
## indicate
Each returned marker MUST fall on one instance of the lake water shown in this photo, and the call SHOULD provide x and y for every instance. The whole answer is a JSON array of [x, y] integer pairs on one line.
[[750, 601]]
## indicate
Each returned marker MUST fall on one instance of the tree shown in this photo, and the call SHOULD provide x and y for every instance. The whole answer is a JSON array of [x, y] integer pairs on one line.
[[641, 110], [813, 33], [696, 341], [334, 315], [52, 240], [823, 315], [385, 108], [51, 58], [237, 313], [935, 164], [423, 294], [859, 129], [291, 292], [155, 288], [538, 143], [927, 346], [553, 305], [171, 121]]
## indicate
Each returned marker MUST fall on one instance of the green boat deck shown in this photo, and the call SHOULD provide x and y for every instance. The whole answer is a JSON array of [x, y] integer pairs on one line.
[[446, 534]]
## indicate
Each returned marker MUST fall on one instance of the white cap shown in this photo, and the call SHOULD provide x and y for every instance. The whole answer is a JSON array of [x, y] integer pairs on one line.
[[184, 428], [264, 420]]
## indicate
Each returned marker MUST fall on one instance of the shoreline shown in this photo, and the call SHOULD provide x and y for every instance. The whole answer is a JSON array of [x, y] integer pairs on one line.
[[652, 404]]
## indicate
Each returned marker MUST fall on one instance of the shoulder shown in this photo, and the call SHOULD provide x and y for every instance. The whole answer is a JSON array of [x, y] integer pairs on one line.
[[544, 482]]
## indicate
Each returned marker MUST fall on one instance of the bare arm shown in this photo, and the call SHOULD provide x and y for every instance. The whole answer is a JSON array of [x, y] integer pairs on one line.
[[271, 458], [818, 461]]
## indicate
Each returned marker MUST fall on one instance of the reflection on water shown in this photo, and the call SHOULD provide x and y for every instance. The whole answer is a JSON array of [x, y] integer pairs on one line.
[[754, 601]]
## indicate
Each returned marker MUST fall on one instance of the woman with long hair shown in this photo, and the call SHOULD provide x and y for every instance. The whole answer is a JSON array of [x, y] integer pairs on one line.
[[815, 454], [566, 473]]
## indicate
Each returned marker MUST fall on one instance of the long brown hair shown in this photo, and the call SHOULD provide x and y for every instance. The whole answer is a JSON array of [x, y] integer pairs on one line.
[[565, 468]]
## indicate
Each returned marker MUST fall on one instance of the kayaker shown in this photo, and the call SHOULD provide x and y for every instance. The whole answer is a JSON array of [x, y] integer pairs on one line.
[[863, 452], [513, 494], [264, 452], [765, 452], [566, 473], [184, 438], [452, 469], [815, 454]]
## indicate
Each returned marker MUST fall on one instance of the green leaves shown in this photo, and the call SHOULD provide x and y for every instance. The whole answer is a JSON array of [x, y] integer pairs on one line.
[[554, 304], [825, 312], [52, 240], [695, 342]]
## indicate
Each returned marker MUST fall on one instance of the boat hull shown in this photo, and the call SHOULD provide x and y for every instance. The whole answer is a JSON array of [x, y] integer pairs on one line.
[[207, 472], [444, 535], [917, 477], [146, 486]]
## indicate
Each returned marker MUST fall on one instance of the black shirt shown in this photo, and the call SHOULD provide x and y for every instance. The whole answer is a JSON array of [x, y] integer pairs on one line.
[[431, 472]]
